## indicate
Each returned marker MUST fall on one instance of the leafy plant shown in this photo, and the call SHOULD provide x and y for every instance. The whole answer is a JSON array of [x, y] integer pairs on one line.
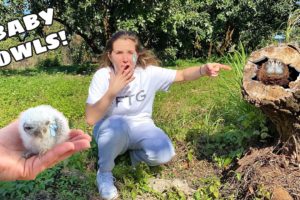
[[210, 190]]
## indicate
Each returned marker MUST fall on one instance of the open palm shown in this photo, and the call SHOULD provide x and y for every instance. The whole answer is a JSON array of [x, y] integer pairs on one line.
[[14, 167]]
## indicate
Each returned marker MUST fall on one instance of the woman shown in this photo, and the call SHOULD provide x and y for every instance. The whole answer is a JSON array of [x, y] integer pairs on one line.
[[120, 103]]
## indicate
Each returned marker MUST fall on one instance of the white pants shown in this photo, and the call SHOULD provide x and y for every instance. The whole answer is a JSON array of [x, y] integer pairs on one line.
[[145, 142]]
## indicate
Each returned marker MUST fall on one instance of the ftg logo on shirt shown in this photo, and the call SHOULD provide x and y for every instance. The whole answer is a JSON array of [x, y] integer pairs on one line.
[[140, 96]]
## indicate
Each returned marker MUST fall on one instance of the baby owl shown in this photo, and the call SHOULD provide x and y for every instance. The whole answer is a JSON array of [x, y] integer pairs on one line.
[[41, 128], [273, 72]]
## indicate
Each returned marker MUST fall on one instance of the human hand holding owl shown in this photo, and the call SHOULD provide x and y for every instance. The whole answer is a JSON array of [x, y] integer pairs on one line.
[[14, 166]]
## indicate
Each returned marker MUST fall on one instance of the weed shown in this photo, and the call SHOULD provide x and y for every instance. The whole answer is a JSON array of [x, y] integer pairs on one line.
[[210, 190], [292, 27]]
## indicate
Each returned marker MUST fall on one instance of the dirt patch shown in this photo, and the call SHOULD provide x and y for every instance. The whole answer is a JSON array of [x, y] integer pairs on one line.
[[188, 168], [182, 174], [163, 185], [262, 173]]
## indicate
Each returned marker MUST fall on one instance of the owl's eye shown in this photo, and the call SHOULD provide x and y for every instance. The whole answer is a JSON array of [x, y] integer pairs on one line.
[[27, 128]]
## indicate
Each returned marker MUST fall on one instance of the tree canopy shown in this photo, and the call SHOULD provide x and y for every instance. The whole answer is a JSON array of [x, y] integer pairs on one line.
[[173, 28]]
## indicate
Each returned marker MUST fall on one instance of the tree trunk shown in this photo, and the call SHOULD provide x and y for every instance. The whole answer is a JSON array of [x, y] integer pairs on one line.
[[271, 82], [210, 49], [226, 41]]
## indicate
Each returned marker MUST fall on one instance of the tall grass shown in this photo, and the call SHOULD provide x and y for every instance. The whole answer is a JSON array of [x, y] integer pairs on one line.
[[233, 84], [293, 25]]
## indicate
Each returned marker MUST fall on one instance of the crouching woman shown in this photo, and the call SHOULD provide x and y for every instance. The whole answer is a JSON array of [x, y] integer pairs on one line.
[[120, 103]]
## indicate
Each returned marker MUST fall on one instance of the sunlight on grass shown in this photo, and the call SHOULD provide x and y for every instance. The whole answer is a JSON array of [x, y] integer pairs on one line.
[[67, 93]]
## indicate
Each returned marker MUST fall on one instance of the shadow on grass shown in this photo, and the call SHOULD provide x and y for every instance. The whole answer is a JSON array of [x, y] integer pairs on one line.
[[50, 66], [209, 146], [82, 69], [230, 144]]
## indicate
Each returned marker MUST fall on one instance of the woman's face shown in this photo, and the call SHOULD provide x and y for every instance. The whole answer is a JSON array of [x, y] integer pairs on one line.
[[123, 55]]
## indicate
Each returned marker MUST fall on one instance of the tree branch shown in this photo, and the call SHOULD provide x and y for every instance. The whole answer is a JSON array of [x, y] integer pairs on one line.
[[89, 41]]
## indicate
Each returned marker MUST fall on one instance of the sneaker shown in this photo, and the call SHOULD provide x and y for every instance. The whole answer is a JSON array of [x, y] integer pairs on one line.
[[106, 185]]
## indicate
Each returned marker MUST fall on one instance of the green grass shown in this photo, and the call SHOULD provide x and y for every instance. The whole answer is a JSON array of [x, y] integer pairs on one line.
[[64, 92], [209, 114]]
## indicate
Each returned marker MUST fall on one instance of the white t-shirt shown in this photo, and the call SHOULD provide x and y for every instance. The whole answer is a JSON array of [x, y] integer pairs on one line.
[[135, 101]]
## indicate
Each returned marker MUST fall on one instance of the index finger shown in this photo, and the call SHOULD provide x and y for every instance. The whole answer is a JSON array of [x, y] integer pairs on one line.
[[77, 132], [225, 67]]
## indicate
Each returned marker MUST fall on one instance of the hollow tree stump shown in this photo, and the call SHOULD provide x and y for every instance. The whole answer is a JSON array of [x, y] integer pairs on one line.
[[271, 82]]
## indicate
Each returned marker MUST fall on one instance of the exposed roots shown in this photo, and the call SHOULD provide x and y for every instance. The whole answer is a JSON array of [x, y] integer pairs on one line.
[[264, 174]]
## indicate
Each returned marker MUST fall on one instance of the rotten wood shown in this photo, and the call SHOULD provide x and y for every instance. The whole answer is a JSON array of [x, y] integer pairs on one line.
[[277, 96]]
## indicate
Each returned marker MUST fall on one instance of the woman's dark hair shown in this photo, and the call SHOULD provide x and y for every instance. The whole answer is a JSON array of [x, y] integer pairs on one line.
[[145, 57]]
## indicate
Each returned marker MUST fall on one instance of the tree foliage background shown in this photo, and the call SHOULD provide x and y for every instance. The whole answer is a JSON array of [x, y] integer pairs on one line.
[[172, 28]]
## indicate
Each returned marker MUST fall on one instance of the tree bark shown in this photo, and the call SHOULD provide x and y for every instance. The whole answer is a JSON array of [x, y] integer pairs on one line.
[[281, 104], [226, 41]]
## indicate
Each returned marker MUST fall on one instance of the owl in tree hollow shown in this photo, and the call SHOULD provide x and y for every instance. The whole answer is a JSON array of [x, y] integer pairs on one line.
[[273, 72]]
